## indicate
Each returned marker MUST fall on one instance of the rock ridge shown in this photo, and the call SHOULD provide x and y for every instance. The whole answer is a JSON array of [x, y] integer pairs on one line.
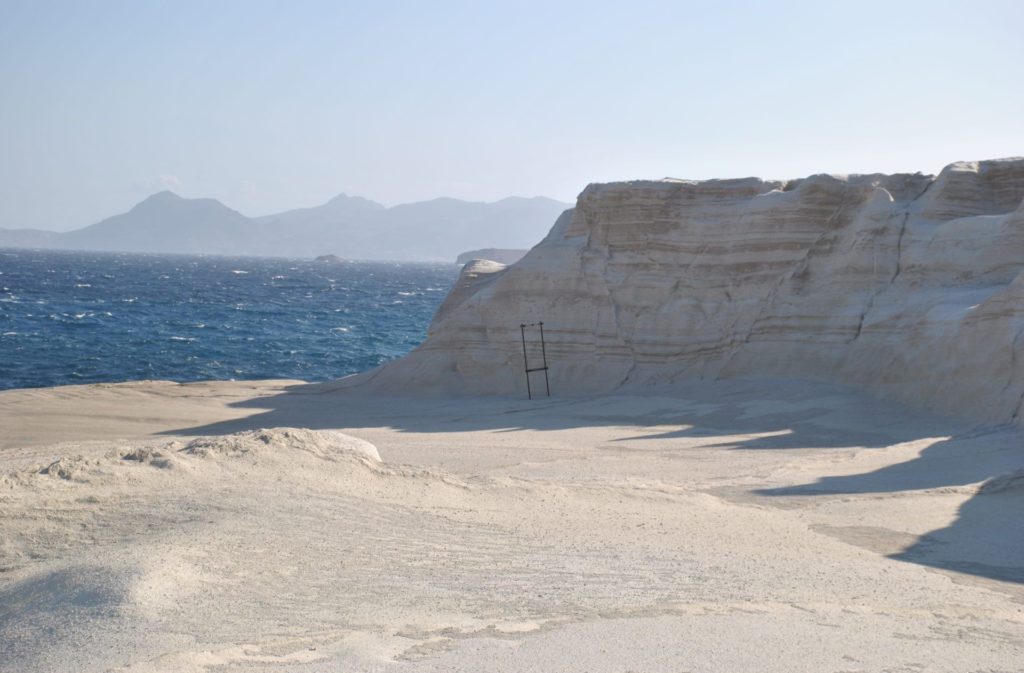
[[910, 286]]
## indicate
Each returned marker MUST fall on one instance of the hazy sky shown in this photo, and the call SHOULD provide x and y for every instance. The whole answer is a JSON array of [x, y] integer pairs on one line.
[[275, 105]]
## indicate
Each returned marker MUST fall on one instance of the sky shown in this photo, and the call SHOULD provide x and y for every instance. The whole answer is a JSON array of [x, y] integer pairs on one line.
[[269, 106]]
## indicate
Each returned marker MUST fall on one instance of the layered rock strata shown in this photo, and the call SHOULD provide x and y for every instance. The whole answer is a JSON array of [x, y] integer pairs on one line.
[[909, 286]]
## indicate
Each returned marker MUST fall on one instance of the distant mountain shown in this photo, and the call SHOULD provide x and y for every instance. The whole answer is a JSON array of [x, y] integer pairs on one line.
[[348, 226], [26, 238], [165, 222]]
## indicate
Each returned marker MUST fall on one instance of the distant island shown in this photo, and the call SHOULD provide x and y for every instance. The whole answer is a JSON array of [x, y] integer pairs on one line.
[[329, 259], [503, 255], [437, 230]]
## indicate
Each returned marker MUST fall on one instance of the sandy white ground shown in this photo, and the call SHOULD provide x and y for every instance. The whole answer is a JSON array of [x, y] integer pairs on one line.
[[739, 526]]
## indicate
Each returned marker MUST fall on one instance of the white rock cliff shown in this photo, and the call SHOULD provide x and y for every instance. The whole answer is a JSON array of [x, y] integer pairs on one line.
[[908, 286]]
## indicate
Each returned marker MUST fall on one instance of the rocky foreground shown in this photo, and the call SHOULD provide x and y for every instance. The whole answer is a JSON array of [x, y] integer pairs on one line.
[[770, 526]]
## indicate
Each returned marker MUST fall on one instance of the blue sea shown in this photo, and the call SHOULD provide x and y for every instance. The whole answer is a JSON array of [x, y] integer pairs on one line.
[[74, 317]]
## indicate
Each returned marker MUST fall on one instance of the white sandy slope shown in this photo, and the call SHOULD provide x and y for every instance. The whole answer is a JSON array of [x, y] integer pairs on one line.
[[750, 525]]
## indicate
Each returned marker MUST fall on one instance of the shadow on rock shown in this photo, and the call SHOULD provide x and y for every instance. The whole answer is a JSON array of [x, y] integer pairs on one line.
[[987, 537]]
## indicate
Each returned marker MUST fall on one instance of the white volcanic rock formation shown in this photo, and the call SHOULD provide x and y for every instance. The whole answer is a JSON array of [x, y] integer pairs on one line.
[[909, 286], [500, 255]]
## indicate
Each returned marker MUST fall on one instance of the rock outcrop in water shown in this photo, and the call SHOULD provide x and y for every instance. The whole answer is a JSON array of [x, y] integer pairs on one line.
[[909, 286], [500, 255], [329, 259]]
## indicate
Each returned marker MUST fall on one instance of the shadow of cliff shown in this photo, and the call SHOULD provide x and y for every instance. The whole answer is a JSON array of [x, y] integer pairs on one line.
[[744, 413], [807, 428], [962, 459], [986, 539]]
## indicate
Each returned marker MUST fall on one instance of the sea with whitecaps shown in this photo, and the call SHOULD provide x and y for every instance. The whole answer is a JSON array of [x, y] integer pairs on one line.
[[86, 317]]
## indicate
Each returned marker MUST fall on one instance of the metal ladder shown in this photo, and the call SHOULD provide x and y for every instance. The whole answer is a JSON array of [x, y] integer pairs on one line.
[[526, 360]]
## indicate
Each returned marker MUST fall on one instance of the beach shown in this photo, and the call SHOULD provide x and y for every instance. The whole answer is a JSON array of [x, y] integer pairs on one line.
[[751, 524]]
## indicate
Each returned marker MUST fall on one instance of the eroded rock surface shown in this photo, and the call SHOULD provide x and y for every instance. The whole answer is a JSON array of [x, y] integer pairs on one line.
[[909, 286]]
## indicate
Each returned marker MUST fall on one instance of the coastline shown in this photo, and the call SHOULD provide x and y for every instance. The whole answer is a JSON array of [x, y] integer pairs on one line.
[[753, 524]]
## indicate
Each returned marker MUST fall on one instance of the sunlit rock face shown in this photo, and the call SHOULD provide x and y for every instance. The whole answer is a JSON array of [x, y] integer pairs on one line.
[[909, 286]]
